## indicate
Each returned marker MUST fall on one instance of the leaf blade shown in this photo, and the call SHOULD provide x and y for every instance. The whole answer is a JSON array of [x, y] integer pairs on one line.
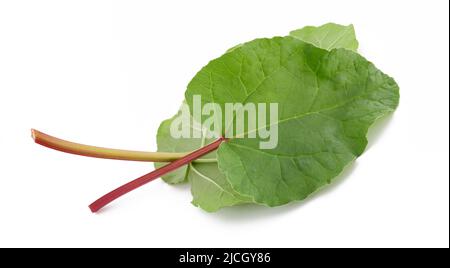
[[328, 101], [328, 36]]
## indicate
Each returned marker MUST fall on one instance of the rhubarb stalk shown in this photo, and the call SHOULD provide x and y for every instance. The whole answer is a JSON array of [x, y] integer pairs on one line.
[[101, 152], [111, 196], [179, 160]]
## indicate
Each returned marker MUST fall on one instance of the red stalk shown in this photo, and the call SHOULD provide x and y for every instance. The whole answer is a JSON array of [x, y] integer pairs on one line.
[[111, 196]]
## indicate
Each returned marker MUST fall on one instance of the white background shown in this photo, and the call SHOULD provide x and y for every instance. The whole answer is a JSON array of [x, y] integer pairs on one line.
[[107, 73]]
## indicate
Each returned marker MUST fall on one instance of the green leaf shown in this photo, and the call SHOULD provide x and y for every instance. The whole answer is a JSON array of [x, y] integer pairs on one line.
[[328, 36], [327, 99]]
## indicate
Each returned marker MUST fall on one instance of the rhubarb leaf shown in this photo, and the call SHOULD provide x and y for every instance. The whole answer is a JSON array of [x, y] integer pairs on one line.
[[328, 36], [327, 99]]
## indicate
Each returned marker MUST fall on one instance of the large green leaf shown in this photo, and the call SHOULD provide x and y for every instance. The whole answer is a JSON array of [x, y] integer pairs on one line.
[[327, 101], [328, 36]]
